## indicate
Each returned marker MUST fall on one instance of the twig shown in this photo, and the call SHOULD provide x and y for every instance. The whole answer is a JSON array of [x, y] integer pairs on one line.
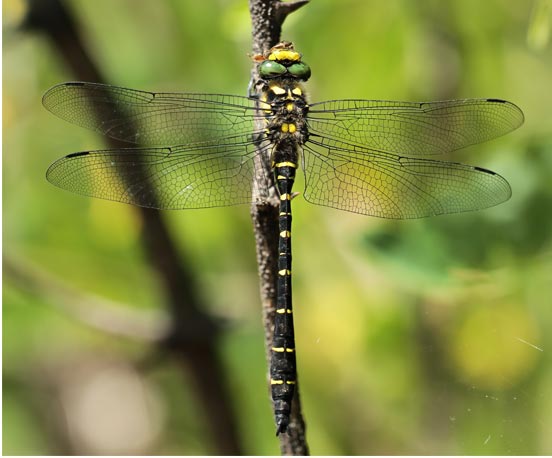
[[267, 17], [193, 336]]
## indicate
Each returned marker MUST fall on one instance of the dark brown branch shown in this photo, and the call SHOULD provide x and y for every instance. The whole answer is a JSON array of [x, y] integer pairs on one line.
[[267, 17], [283, 9], [193, 334]]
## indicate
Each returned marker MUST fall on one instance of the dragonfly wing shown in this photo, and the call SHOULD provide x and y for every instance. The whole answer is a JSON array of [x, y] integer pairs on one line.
[[149, 118], [414, 128], [200, 176], [385, 185]]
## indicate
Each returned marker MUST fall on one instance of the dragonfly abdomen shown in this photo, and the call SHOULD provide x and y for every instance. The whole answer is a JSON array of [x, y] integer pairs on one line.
[[283, 365]]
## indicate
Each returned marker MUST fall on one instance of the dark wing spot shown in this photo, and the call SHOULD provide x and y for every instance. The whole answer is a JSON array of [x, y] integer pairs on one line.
[[82, 153], [490, 172]]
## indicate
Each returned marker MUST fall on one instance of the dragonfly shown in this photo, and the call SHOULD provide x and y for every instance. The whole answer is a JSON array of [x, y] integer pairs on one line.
[[194, 150]]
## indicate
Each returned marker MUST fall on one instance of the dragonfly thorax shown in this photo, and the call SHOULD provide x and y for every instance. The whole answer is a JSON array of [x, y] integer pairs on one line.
[[285, 110]]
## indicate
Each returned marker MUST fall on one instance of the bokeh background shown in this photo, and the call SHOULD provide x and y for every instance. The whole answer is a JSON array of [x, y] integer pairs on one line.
[[417, 337]]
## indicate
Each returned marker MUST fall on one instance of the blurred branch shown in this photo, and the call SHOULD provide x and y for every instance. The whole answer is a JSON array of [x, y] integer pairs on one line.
[[540, 25], [193, 335], [107, 316], [267, 17]]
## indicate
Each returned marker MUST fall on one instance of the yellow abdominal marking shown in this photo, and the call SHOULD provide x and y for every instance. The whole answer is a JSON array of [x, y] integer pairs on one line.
[[281, 177], [292, 128], [290, 382], [276, 382], [277, 90], [282, 349], [285, 164], [285, 127], [289, 107], [285, 234], [281, 311], [297, 91], [284, 272], [285, 213], [285, 197], [284, 54]]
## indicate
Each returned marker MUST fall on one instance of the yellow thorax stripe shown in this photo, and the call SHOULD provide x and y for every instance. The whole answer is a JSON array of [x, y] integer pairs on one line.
[[288, 127], [277, 89], [265, 106]]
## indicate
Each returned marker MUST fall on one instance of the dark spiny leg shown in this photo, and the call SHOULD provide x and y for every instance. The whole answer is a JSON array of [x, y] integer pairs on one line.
[[282, 367]]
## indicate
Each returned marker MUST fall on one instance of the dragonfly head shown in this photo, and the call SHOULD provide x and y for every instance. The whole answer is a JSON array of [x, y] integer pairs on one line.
[[283, 61]]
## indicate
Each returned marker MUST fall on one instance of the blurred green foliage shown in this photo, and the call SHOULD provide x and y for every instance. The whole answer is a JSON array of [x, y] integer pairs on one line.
[[414, 337]]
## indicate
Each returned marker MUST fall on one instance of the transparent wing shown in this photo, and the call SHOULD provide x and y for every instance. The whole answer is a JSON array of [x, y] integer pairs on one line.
[[149, 118], [373, 183], [414, 128], [194, 176]]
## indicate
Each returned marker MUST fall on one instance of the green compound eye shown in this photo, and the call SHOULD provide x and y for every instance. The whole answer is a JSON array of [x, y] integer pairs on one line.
[[300, 70], [271, 69]]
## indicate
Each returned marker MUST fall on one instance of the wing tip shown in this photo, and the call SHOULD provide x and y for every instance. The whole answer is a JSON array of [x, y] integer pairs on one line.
[[47, 98], [518, 111]]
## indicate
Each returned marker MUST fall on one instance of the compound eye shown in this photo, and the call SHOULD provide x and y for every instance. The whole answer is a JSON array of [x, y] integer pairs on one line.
[[300, 70], [271, 69]]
